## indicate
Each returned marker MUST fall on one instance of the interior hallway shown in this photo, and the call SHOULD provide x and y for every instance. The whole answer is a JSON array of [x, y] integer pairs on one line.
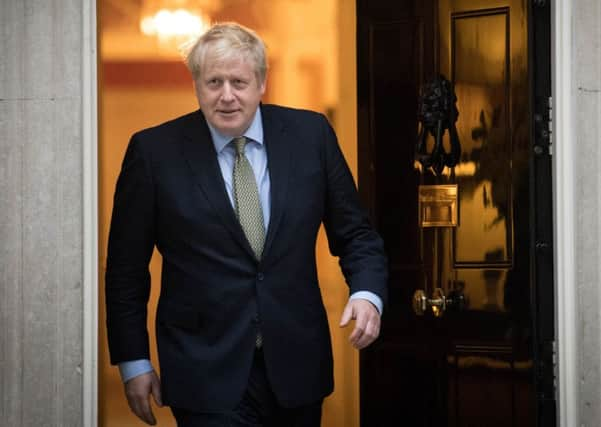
[[143, 82]]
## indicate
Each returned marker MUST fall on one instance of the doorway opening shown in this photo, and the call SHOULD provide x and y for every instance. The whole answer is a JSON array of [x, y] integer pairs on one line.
[[143, 82]]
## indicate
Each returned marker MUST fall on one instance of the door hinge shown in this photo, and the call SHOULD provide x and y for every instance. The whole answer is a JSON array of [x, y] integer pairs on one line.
[[543, 127], [550, 125], [547, 370], [555, 366], [547, 386]]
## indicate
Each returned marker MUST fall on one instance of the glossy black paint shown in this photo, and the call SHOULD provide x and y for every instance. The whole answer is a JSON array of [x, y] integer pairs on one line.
[[485, 364]]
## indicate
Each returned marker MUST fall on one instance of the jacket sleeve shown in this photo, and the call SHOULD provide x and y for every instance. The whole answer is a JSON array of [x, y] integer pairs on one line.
[[130, 246], [350, 234]]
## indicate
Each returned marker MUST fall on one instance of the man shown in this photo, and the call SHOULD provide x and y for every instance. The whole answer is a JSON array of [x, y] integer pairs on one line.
[[233, 196]]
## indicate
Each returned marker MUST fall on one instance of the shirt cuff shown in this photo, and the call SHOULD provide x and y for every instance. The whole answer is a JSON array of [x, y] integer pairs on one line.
[[134, 368], [371, 297]]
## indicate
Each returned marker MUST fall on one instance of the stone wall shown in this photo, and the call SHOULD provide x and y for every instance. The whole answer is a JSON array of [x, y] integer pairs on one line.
[[586, 102], [41, 213]]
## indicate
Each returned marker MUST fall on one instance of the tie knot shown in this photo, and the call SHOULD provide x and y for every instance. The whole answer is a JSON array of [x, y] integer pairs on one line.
[[240, 143]]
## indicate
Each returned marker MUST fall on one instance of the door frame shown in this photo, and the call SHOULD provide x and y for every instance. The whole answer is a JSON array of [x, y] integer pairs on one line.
[[566, 320], [89, 111], [563, 140]]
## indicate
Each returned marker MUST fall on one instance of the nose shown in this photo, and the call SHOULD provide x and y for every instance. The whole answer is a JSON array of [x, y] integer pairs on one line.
[[227, 94]]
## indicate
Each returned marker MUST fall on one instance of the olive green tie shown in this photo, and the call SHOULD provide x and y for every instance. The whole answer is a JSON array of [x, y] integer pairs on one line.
[[246, 196], [248, 206]]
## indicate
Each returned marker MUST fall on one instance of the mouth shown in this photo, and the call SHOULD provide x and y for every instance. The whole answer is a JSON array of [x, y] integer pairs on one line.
[[227, 112]]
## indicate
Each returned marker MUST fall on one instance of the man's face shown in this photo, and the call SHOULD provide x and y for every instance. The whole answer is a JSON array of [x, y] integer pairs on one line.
[[229, 93]]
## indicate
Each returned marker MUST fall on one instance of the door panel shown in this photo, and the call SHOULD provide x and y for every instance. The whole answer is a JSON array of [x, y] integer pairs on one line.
[[474, 365], [480, 65]]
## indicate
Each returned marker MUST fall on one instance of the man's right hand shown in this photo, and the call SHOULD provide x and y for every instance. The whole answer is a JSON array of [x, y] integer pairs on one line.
[[138, 391]]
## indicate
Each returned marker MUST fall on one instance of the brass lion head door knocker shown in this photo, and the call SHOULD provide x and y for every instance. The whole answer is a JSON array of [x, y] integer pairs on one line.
[[437, 112]]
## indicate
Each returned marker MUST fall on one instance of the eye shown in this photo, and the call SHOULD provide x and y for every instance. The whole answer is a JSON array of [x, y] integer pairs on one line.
[[213, 82], [239, 83]]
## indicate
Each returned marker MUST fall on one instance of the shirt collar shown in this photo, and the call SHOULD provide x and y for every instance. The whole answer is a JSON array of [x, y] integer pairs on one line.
[[254, 132]]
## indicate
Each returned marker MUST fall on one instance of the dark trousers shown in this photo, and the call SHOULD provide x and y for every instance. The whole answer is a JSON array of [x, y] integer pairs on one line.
[[258, 408]]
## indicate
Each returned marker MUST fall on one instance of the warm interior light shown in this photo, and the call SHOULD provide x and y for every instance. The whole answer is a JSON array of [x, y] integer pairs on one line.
[[178, 24]]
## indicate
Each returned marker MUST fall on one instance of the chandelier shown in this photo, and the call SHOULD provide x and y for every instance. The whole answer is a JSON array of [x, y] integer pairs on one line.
[[176, 21]]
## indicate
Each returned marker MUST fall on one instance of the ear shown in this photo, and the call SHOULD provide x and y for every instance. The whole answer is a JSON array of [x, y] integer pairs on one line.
[[263, 86], [195, 87], [196, 92]]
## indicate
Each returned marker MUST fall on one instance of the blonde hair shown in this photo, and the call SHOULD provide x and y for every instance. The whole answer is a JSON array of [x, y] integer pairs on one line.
[[225, 41]]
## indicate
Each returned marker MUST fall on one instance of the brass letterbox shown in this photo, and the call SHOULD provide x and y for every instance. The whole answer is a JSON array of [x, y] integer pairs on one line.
[[438, 205]]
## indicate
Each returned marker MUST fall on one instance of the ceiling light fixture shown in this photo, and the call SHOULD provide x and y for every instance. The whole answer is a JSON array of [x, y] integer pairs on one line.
[[175, 20]]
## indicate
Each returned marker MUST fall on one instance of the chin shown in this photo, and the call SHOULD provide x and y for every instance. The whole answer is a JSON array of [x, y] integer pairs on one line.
[[229, 131], [230, 128]]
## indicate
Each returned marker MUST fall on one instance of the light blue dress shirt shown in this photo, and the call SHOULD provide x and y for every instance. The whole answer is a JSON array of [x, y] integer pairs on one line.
[[257, 157]]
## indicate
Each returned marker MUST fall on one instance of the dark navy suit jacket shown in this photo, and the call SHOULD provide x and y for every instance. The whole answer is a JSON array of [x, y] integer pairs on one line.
[[214, 294]]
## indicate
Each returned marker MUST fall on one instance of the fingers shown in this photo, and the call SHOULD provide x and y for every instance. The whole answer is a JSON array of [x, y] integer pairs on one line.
[[347, 315], [156, 390], [367, 329], [138, 390], [367, 322]]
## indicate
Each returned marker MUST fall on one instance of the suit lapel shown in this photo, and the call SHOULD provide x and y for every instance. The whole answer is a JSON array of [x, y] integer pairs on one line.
[[201, 157], [279, 157]]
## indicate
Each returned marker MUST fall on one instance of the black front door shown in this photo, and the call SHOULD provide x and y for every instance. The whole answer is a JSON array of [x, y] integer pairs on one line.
[[462, 343]]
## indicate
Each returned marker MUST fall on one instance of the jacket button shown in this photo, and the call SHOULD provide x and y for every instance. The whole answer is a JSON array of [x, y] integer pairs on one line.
[[260, 276], [256, 318]]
